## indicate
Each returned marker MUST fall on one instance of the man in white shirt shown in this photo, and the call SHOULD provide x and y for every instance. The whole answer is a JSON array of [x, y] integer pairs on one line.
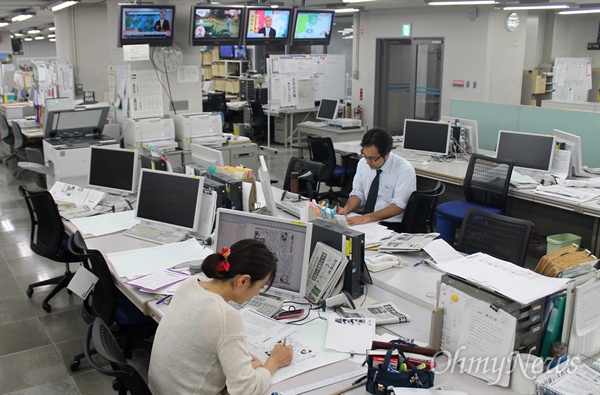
[[383, 182]]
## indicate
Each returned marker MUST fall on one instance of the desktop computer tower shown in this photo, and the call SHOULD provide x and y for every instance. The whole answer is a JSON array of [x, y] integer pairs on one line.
[[219, 188], [233, 188], [153, 162], [343, 238], [262, 95]]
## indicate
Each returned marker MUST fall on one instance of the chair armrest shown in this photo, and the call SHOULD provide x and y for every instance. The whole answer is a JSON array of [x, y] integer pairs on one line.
[[36, 167]]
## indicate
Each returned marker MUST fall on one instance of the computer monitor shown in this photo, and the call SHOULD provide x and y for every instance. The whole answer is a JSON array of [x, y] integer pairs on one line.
[[169, 199], [288, 239], [470, 126], [328, 109], [528, 150], [573, 144], [265, 184], [206, 156], [216, 24], [114, 170], [232, 52], [427, 137]]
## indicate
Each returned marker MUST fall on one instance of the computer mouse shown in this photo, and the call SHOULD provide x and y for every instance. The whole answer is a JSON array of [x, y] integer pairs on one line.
[[425, 163]]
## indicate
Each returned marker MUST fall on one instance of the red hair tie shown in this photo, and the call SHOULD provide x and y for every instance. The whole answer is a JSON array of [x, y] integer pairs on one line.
[[224, 264]]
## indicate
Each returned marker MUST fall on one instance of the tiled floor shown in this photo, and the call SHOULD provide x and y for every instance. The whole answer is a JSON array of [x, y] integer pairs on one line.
[[36, 347]]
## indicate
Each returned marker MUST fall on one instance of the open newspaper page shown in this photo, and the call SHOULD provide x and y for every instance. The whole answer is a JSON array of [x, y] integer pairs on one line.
[[407, 242], [383, 313], [325, 269]]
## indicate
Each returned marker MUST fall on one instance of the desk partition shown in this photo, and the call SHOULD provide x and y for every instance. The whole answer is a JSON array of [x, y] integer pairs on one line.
[[492, 117]]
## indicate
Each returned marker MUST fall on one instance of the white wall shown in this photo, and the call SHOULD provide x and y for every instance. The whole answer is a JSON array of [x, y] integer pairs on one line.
[[572, 33], [472, 52], [534, 42]]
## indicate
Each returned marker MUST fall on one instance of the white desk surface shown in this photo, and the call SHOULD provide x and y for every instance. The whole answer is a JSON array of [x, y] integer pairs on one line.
[[290, 110]]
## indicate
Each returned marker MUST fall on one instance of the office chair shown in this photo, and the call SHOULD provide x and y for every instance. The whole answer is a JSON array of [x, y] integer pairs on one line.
[[106, 302], [308, 176], [48, 239], [419, 211], [217, 103], [485, 187], [497, 235], [20, 144], [99, 336], [35, 163], [333, 175], [7, 137], [258, 121]]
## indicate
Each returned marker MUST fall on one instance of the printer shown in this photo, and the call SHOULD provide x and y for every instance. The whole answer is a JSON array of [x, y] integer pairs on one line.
[[204, 128], [153, 132], [345, 123]]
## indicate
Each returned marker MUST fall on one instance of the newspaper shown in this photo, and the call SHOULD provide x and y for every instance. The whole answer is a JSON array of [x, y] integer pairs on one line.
[[407, 242], [80, 196], [383, 313], [570, 377], [324, 271]]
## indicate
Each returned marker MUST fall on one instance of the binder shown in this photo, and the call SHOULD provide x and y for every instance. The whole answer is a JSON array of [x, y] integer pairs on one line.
[[555, 324]]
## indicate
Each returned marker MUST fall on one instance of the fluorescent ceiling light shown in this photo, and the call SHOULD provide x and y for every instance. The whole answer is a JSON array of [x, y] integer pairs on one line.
[[581, 11], [346, 10], [3, 23], [52, 40], [356, 1], [39, 38], [19, 34], [33, 31], [468, 2], [28, 39], [535, 7], [64, 4], [51, 35], [21, 17], [52, 28]]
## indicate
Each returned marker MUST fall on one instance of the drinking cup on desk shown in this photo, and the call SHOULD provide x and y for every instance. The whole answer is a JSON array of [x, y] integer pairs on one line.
[[526, 368]]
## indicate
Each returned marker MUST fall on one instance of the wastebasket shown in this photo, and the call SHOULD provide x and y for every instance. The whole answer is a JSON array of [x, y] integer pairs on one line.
[[556, 242]]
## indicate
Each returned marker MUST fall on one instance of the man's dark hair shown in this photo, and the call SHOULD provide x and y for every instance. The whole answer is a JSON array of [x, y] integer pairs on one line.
[[380, 138]]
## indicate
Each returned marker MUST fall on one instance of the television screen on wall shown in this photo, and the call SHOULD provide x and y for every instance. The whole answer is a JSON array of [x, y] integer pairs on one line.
[[216, 25], [147, 24], [265, 25], [312, 27]]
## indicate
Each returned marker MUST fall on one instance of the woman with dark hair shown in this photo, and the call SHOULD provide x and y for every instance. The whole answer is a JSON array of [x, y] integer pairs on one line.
[[200, 345]]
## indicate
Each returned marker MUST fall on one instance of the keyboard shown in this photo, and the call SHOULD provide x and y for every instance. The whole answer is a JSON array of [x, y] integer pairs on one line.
[[290, 207], [265, 305], [314, 124], [155, 233]]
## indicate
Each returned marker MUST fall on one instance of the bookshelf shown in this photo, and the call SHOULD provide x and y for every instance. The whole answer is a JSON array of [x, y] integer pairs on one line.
[[226, 75]]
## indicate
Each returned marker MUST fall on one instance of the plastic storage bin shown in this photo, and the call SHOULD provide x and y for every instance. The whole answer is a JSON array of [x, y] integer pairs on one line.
[[556, 242]]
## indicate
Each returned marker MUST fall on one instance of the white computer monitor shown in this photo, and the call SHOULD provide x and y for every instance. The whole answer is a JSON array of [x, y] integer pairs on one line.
[[170, 199], [206, 156], [573, 144], [288, 239], [427, 137], [472, 136], [526, 150], [328, 109], [113, 170], [265, 184]]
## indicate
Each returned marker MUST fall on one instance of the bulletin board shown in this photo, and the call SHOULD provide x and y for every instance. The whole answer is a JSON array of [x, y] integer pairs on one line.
[[572, 79]]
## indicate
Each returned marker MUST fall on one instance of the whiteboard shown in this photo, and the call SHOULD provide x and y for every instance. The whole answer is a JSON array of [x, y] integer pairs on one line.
[[572, 79]]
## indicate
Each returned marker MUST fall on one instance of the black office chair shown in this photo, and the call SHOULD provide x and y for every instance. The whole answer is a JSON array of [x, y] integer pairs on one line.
[[8, 139], [109, 304], [308, 176], [99, 338], [332, 174], [485, 187], [20, 144], [497, 235], [48, 239], [419, 211], [218, 103], [258, 121]]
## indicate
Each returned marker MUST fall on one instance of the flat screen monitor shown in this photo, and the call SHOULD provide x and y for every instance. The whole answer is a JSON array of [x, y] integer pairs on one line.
[[266, 25], [312, 27], [471, 135], [527, 150], [147, 24], [288, 239], [572, 143], [237, 52], [426, 137], [113, 169], [328, 109], [265, 184], [216, 24], [169, 199], [206, 156]]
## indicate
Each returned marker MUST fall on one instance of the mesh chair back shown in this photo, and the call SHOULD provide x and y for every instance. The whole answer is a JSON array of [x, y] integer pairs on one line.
[[258, 118], [18, 135], [496, 235], [418, 215], [487, 181], [217, 102], [302, 166], [99, 337], [5, 129], [321, 150], [47, 229]]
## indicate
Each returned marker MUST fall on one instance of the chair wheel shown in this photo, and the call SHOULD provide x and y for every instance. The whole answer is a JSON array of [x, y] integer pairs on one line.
[[47, 308], [69, 292], [29, 292], [75, 366], [115, 385]]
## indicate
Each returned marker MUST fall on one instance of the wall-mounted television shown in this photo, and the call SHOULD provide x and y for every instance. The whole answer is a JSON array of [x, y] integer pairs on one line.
[[265, 25], [236, 52], [312, 27], [216, 25], [147, 24]]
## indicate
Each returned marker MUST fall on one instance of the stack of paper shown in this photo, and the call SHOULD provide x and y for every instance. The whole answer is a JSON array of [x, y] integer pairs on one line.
[[407, 242], [158, 281]]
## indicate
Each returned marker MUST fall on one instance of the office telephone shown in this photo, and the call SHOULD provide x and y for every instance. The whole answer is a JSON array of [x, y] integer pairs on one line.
[[381, 262]]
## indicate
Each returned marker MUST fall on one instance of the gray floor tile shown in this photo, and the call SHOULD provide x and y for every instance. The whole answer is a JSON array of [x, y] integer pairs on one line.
[[34, 264], [14, 213], [69, 349], [17, 223], [60, 387], [18, 250], [15, 309], [17, 236], [31, 368], [8, 205], [63, 326], [22, 335], [4, 269], [94, 383], [9, 288], [60, 303]]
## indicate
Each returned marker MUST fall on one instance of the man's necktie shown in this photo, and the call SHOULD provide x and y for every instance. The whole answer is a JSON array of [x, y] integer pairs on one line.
[[372, 197]]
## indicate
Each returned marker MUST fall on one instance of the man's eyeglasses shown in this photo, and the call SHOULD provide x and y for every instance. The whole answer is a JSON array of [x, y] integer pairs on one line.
[[370, 158]]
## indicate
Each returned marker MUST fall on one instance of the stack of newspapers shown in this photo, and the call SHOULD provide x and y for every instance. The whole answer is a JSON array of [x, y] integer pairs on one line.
[[405, 242]]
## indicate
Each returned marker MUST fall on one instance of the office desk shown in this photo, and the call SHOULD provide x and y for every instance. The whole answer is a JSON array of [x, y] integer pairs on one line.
[[336, 134], [289, 115], [33, 133]]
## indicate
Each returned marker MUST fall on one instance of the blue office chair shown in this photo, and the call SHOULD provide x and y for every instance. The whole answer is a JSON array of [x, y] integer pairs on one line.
[[485, 187]]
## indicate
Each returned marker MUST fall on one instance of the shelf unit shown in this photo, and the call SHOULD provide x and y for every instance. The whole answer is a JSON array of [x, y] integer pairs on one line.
[[537, 86], [226, 75], [207, 58]]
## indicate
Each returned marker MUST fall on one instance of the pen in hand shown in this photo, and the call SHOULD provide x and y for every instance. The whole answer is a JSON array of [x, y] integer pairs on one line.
[[284, 341]]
